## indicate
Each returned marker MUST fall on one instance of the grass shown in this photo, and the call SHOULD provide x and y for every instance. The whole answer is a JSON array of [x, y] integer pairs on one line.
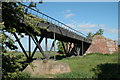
[[87, 66], [82, 67]]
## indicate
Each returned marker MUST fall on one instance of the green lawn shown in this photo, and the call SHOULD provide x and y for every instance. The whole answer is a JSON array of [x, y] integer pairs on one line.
[[88, 66], [83, 67]]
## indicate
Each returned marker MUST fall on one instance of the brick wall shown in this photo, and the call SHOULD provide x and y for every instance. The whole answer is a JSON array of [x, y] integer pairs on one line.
[[100, 44]]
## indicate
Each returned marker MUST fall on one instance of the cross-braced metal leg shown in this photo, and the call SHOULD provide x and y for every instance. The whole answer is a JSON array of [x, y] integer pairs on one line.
[[21, 45], [48, 55], [37, 46]]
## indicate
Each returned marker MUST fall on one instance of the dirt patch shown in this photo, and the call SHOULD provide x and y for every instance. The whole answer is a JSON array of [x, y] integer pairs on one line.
[[40, 67]]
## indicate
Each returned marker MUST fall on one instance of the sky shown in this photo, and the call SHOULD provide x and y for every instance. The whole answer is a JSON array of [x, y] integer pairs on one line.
[[83, 16]]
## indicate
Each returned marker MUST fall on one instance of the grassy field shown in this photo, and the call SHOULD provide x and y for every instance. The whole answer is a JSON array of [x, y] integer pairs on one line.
[[89, 66], [86, 66]]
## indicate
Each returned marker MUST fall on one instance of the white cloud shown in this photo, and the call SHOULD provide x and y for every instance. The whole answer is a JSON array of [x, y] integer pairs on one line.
[[87, 25], [68, 10], [86, 30], [69, 15], [102, 25], [111, 30]]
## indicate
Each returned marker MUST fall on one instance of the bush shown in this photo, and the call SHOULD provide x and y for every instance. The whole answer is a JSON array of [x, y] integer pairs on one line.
[[10, 66], [22, 76], [107, 71]]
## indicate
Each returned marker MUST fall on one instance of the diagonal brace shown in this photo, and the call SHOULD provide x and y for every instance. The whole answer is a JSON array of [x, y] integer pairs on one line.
[[21, 45], [48, 55], [37, 46]]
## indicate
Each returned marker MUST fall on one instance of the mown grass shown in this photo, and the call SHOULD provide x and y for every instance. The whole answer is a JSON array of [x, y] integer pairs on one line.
[[88, 66], [82, 67]]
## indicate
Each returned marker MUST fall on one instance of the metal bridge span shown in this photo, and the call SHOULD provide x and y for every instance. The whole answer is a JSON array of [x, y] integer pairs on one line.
[[58, 31]]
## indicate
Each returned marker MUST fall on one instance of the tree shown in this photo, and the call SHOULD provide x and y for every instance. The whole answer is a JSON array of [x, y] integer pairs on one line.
[[91, 35], [60, 46], [11, 23], [7, 42], [13, 11], [99, 32]]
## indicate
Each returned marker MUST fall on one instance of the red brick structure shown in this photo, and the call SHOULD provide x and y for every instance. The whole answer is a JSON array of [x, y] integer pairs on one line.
[[100, 44]]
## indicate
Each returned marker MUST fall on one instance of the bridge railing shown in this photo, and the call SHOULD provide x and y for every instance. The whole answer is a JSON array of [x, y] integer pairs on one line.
[[47, 18]]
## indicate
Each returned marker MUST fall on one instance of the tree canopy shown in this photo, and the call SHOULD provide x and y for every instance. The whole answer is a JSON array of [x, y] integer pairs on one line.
[[90, 35], [16, 19]]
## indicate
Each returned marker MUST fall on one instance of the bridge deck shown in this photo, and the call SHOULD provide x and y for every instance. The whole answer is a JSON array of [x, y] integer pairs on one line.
[[65, 33], [60, 32], [36, 25]]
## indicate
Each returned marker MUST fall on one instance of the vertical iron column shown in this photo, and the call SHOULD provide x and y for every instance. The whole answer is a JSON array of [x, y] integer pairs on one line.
[[78, 50], [46, 45], [54, 47], [82, 48], [29, 46]]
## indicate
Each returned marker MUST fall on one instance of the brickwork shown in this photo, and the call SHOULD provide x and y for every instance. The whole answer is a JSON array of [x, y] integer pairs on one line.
[[100, 44]]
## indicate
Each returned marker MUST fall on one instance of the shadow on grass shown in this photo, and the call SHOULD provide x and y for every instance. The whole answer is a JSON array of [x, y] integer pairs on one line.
[[58, 57], [108, 71]]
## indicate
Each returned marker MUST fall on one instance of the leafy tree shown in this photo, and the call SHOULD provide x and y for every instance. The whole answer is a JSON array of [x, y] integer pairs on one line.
[[11, 67], [91, 35], [99, 32], [11, 14], [7, 42], [60, 46]]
